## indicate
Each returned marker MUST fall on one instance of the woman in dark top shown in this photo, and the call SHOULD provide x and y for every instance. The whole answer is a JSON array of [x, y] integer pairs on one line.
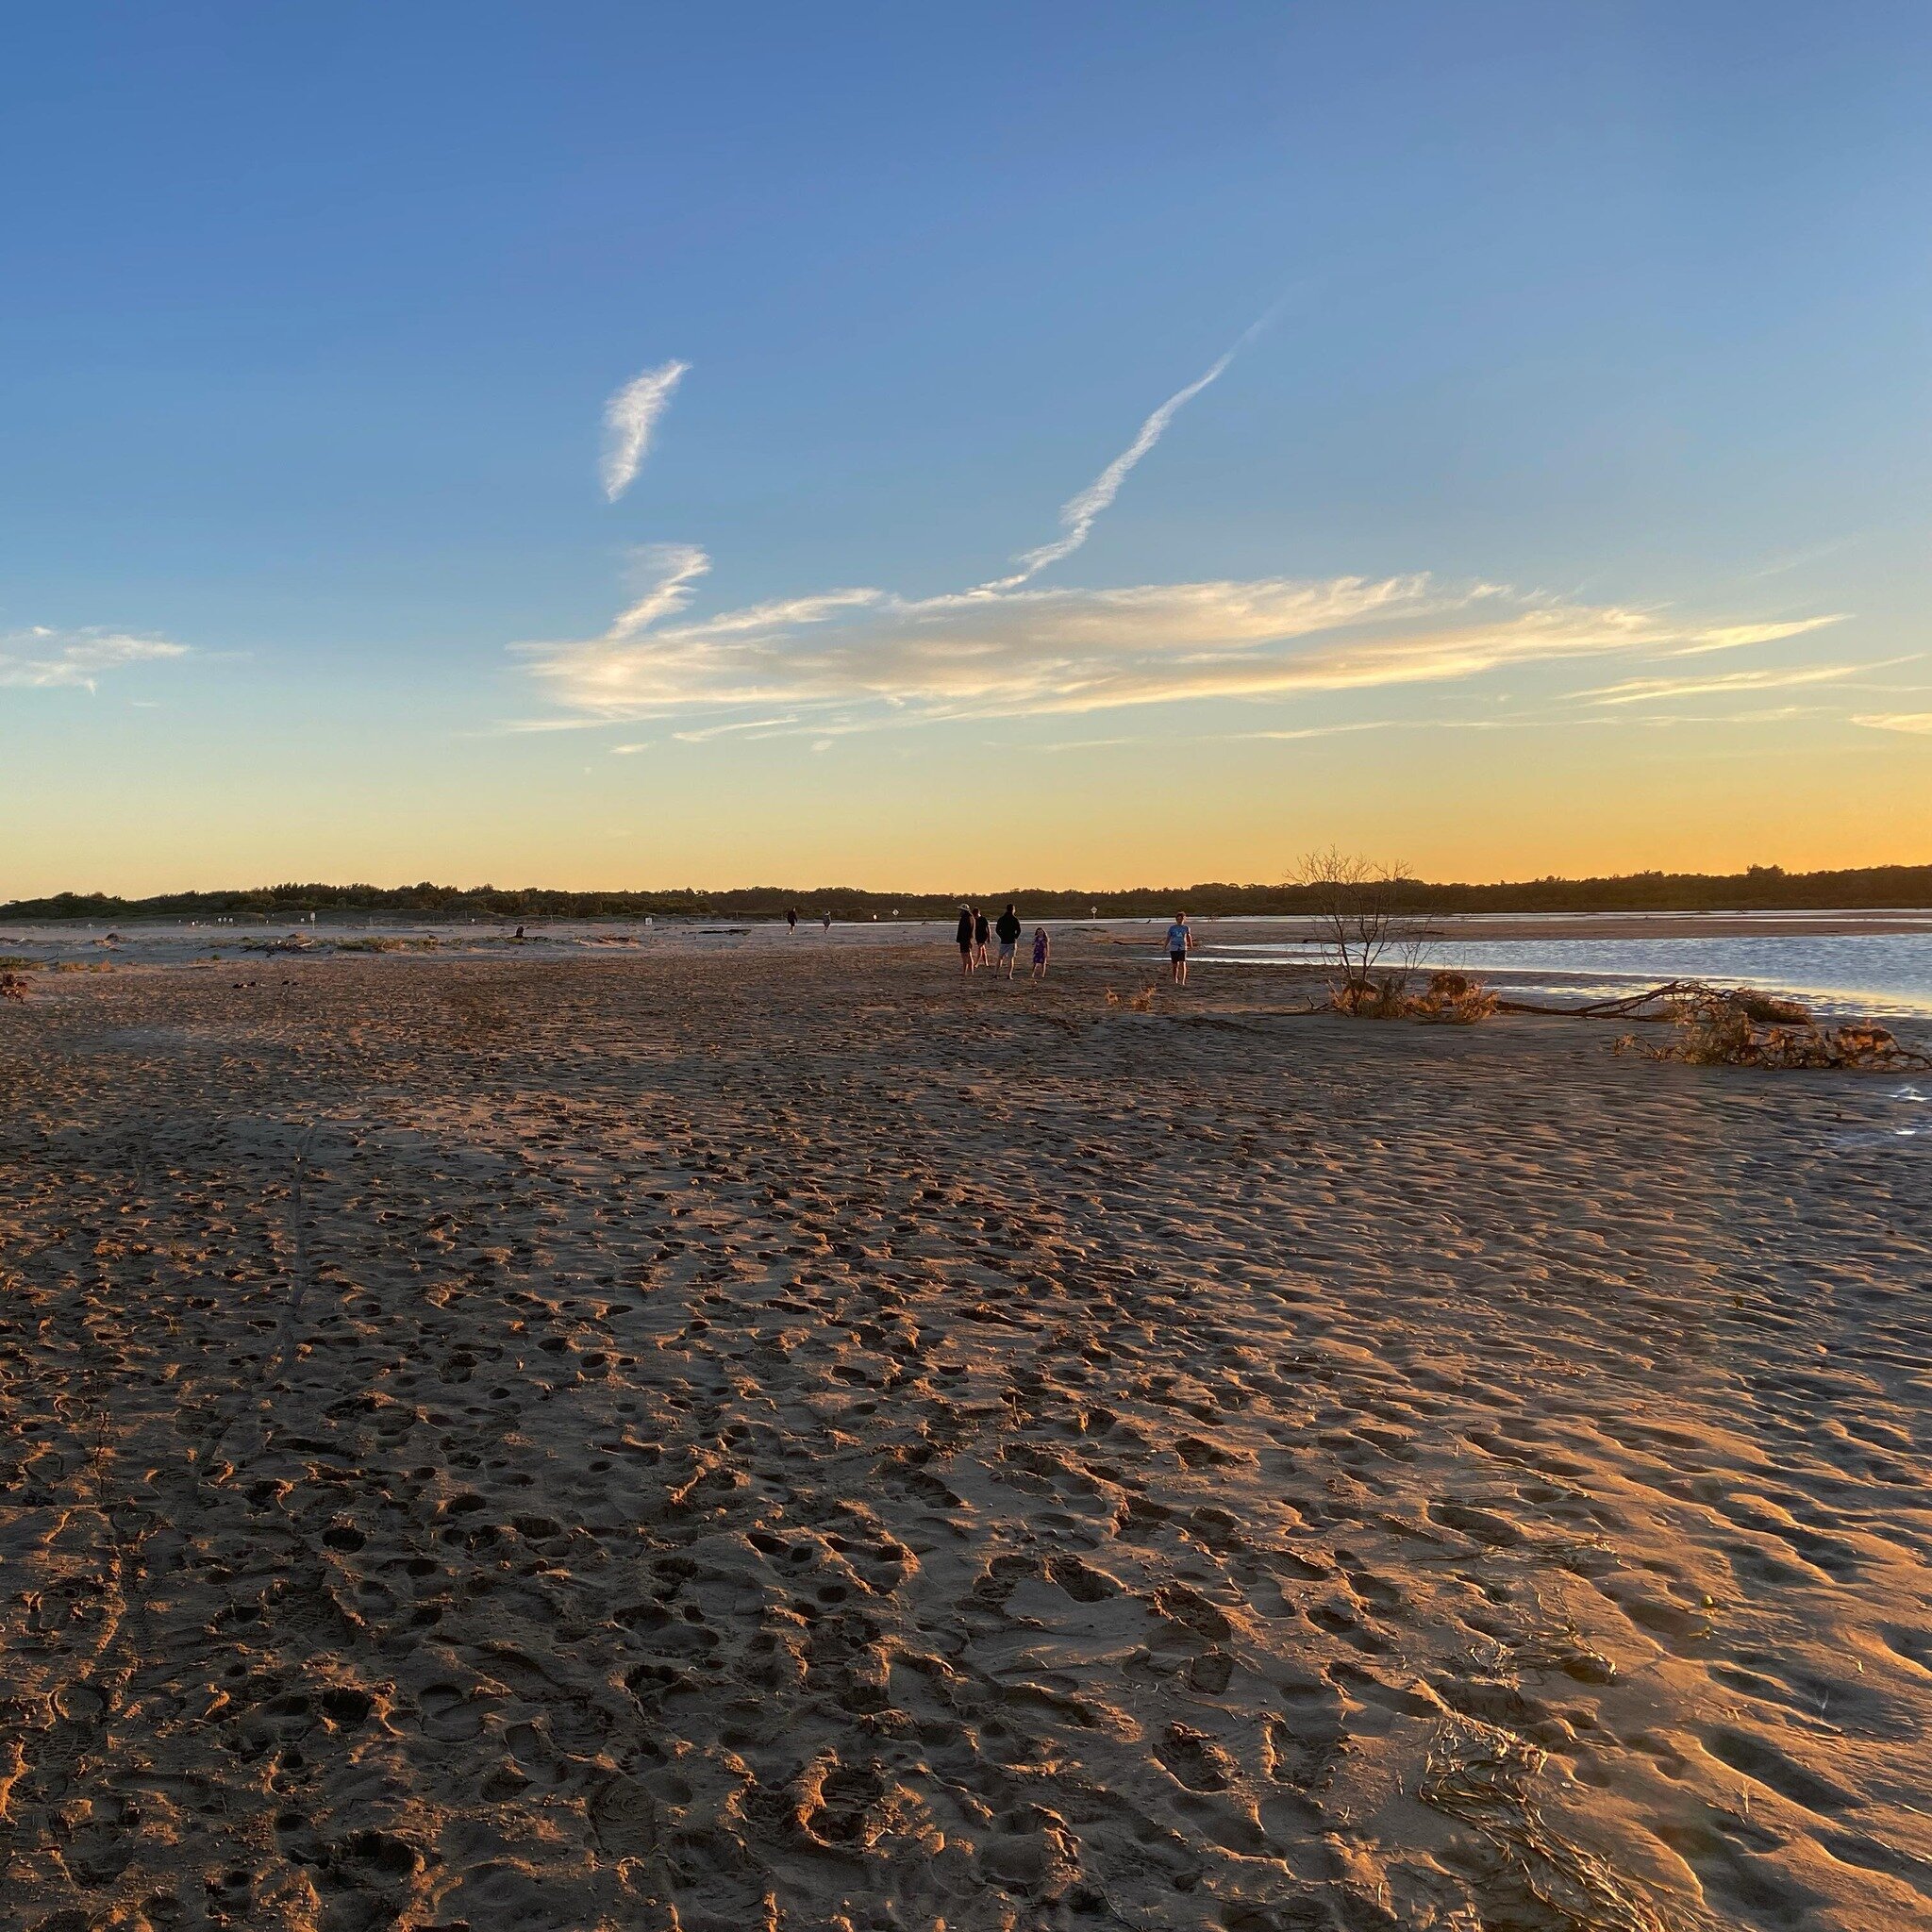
[[965, 938], [981, 933]]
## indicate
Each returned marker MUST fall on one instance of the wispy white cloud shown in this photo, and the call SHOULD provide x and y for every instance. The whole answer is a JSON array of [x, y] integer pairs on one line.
[[1547, 721], [1643, 691], [1919, 723], [859, 657], [629, 417], [43, 658], [711, 731], [669, 571], [1795, 559], [1293, 733], [1079, 513], [1734, 637], [1032, 650]]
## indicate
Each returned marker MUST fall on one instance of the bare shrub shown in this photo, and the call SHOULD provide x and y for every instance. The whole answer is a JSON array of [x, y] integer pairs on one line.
[[1738, 1027], [1371, 928]]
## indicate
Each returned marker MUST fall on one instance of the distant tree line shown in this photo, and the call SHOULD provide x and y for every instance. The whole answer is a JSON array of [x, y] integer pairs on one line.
[[1763, 888]]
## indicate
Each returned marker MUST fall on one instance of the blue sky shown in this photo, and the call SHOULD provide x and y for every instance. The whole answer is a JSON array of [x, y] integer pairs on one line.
[[1592, 333]]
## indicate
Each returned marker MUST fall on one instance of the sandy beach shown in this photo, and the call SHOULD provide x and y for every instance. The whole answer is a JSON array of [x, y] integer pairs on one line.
[[787, 1439]]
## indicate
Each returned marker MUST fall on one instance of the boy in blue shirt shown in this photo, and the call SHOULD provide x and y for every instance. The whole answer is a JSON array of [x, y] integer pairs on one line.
[[1180, 942]]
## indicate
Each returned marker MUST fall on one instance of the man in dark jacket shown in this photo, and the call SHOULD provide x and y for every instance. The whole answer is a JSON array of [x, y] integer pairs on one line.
[[1008, 930]]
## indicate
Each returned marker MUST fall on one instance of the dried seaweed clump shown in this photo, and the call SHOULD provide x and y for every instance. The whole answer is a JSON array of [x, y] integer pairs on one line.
[[1737, 1027], [1486, 1777], [1453, 999], [1377, 998], [1141, 1002], [1450, 999]]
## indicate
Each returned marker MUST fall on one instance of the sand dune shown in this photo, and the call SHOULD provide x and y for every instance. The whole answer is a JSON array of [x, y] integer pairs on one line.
[[793, 1441]]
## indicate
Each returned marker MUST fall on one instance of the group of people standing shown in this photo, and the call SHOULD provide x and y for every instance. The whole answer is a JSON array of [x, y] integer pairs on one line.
[[976, 932]]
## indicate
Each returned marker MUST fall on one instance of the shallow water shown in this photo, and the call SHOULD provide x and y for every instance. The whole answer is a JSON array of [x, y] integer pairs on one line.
[[1883, 975], [1906, 1115]]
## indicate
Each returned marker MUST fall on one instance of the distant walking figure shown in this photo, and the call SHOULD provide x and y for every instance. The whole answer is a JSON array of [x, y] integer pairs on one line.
[[965, 938], [791, 918], [828, 925], [1041, 946], [1008, 930], [981, 933], [1180, 942]]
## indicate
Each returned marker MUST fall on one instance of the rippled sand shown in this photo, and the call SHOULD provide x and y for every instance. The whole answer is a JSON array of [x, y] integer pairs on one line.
[[788, 1440]]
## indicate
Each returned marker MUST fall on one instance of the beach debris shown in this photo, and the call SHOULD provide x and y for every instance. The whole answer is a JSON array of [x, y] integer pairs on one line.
[[1141, 1002], [1453, 999], [1488, 1778], [13, 986], [1449, 999], [1369, 998], [1663, 1002], [1739, 1026]]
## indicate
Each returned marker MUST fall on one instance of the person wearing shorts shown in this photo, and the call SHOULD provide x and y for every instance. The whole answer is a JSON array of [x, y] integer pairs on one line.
[[1180, 942], [1008, 931]]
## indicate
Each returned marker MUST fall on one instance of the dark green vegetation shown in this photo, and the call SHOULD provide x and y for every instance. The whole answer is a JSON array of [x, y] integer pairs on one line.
[[1763, 888]]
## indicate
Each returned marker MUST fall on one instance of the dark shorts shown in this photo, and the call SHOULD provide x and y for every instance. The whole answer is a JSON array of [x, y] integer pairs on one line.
[[1177, 958]]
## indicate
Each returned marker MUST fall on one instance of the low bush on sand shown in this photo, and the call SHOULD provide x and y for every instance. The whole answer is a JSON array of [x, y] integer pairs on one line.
[[1449, 999], [1714, 1026]]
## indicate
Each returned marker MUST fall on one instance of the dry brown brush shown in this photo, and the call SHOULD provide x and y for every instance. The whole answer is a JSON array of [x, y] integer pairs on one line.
[[1736, 1026], [1449, 999]]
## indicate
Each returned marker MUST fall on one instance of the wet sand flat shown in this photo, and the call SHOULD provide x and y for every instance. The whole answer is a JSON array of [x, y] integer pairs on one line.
[[784, 1439]]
